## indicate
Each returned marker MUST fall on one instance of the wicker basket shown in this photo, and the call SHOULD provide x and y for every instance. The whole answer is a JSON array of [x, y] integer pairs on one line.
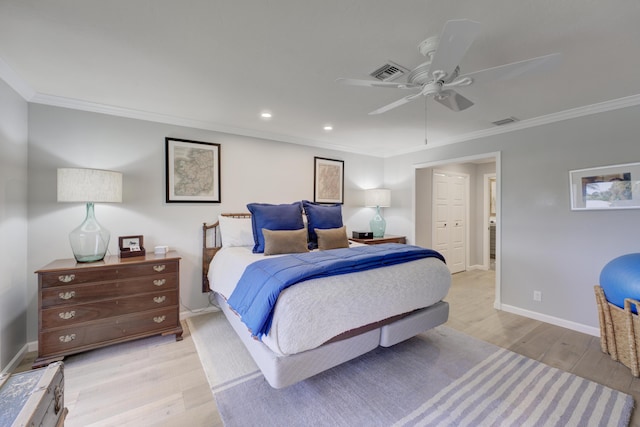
[[619, 330]]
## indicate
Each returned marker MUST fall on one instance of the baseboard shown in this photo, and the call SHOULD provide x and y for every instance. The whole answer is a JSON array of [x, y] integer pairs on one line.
[[191, 313], [477, 267], [17, 359], [578, 327]]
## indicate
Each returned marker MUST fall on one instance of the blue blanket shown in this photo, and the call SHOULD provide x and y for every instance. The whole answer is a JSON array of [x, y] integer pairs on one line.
[[262, 281]]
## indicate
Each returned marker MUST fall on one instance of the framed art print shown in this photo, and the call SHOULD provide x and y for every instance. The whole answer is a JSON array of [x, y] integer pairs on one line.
[[328, 182], [192, 171], [608, 187]]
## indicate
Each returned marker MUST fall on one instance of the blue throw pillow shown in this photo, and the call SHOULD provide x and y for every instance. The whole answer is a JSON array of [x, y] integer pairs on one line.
[[273, 217], [322, 217]]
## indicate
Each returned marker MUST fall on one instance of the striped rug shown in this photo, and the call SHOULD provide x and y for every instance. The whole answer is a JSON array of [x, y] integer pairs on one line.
[[512, 390], [439, 378]]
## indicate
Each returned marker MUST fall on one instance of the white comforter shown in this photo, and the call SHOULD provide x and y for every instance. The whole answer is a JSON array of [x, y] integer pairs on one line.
[[310, 313]]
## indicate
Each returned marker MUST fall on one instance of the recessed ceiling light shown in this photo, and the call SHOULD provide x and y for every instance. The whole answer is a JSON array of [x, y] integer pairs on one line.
[[327, 127], [265, 115]]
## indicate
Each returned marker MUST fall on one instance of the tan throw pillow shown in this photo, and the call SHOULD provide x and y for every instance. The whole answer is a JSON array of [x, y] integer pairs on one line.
[[332, 238], [285, 241]]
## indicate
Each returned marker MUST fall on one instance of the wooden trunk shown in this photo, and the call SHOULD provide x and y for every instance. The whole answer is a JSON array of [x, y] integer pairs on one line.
[[33, 398]]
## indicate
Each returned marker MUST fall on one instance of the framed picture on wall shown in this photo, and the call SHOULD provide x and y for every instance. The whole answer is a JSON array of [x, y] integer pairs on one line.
[[603, 188], [192, 171], [328, 182]]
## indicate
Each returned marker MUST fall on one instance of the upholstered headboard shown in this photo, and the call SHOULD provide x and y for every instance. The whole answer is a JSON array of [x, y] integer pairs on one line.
[[211, 244]]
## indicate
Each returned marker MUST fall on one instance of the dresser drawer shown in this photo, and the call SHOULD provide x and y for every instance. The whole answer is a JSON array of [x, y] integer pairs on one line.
[[63, 316], [74, 277], [80, 337], [91, 292], [150, 269]]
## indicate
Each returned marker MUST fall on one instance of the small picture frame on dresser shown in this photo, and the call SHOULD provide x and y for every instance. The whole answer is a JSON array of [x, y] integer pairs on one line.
[[131, 246]]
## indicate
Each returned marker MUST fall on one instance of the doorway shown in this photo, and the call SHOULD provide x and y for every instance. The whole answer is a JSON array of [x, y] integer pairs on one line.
[[483, 207]]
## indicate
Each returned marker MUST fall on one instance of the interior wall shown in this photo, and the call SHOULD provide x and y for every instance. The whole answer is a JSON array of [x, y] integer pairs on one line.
[[253, 170], [545, 245], [13, 223]]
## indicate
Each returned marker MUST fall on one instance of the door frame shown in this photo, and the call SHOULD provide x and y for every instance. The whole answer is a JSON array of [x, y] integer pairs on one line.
[[497, 304], [486, 257]]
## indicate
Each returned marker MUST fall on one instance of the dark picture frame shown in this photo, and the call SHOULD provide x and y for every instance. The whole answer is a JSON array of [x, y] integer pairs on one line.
[[192, 171], [328, 181]]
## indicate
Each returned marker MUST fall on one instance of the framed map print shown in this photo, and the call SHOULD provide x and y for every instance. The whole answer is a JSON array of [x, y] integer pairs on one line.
[[193, 171], [328, 182]]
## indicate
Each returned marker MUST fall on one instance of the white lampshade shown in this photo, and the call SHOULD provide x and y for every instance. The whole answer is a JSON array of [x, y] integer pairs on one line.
[[89, 241], [89, 185], [377, 197]]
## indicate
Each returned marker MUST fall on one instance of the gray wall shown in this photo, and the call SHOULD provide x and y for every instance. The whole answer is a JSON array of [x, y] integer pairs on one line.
[[13, 224], [546, 246], [253, 170]]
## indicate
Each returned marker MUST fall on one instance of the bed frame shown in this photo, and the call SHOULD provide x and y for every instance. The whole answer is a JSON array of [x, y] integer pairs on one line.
[[282, 371]]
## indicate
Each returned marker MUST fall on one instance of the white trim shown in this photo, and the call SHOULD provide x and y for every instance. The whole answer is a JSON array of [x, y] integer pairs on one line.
[[17, 359], [486, 244], [191, 313], [601, 107], [76, 104], [589, 330], [29, 94], [497, 156]]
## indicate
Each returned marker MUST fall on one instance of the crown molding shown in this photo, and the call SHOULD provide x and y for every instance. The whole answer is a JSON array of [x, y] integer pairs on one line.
[[30, 95], [75, 104], [601, 107]]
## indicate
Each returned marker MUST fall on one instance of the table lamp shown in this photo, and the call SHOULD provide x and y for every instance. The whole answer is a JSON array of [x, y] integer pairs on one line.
[[90, 241], [378, 198]]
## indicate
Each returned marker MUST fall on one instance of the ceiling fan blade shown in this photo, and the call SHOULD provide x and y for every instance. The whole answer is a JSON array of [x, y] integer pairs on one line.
[[395, 104], [457, 36], [372, 83], [515, 69], [453, 100]]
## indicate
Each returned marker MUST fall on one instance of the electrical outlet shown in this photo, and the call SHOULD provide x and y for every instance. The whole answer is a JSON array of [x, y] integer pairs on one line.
[[537, 296]]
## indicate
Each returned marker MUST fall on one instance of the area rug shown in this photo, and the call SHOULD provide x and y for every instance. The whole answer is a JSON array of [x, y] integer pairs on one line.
[[438, 378]]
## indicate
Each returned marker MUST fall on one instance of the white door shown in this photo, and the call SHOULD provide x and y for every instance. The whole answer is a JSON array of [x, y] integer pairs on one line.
[[449, 218]]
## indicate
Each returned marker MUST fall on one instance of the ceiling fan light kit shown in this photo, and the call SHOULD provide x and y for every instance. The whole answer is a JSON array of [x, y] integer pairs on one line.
[[440, 74]]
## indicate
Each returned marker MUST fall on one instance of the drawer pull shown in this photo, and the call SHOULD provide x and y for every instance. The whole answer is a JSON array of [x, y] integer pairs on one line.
[[67, 338], [67, 278], [67, 295], [67, 315], [159, 268], [159, 319], [159, 300], [159, 282]]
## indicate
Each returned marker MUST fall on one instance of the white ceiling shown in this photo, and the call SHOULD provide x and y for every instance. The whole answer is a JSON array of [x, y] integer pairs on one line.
[[218, 64]]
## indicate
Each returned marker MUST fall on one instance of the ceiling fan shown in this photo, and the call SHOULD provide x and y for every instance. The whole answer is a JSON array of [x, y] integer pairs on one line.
[[440, 74]]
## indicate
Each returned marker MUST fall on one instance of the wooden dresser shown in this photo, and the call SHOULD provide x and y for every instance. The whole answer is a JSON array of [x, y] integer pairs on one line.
[[86, 306]]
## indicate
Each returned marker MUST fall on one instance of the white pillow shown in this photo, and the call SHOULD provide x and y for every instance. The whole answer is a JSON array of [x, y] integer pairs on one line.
[[235, 231]]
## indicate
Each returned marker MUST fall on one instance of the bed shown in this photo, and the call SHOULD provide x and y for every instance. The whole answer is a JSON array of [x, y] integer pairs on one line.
[[322, 322]]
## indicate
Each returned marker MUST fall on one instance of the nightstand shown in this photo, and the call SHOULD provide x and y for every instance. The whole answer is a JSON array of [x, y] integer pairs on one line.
[[385, 239], [86, 306]]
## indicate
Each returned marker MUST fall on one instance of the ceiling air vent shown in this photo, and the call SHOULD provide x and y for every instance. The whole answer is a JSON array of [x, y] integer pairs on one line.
[[389, 71], [505, 121]]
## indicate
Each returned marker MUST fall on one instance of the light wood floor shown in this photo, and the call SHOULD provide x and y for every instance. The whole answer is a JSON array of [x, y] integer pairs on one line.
[[158, 381]]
